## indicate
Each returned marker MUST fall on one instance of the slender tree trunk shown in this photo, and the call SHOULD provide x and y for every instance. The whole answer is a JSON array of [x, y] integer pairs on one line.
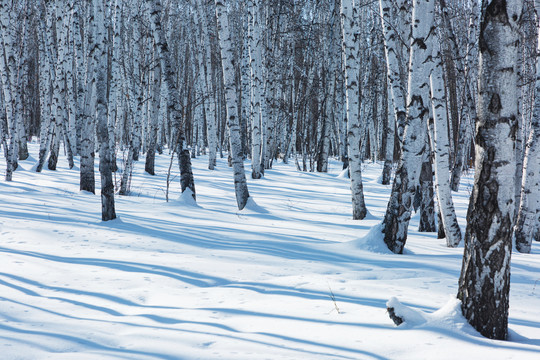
[[469, 107], [255, 53], [100, 75], [393, 27], [227, 60], [115, 92], [527, 226], [169, 74], [87, 105], [398, 212], [210, 100], [8, 71], [427, 205], [45, 96], [149, 165], [349, 22], [390, 126], [440, 144]]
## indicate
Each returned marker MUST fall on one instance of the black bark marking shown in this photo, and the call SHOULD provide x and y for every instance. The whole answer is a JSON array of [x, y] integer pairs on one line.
[[495, 105]]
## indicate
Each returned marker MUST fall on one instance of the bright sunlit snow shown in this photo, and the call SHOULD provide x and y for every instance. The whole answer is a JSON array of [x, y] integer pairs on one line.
[[289, 277]]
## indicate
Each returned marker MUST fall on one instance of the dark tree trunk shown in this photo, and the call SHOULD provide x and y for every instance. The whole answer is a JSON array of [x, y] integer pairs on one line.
[[427, 205]]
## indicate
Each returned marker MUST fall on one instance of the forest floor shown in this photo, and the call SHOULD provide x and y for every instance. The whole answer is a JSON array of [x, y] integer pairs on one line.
[[289, 277]]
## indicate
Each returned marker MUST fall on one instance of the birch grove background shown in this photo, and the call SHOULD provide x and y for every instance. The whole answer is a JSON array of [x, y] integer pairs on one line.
[[410, 84]]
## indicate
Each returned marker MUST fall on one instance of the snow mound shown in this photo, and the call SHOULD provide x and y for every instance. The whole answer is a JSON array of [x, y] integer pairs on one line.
[[252, 206], [408, 315], [115, 223], [448, 317], [372, 242], [344, 174], [186, 199], [34, 167]]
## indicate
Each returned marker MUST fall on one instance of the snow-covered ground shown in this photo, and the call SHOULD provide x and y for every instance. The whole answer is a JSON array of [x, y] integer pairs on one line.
[[290, 277]]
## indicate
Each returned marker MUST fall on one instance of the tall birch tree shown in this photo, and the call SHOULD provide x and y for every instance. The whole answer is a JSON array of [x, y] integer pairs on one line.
[[100, 83], [398, 212], [227, 60], [484, 284], [351, 46], [527, 226], [174, 108], [438, 130]]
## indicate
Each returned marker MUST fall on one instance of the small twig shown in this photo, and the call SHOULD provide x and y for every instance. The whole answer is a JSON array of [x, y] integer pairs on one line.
[[333, 299], [169, 177]]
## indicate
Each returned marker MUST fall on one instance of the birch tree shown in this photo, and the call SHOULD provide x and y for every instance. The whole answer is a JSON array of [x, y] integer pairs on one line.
[[210, 99], [398, 211], [394, 27], [527, 226], [484, 284], [227, 60], [169, 74], [102, 130], [115, 103], [468, 117], [438, 130], [87, 93], [350, 46], [255, 64], [8, 73]]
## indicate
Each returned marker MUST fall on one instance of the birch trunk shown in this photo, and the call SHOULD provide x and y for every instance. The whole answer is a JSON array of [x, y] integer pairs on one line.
[[427, 206], [50, 60], [8, 70], [88, 125], [394, 59], [255, 54], [390, 126], [210, 100], [469, 106], [398, 212], [154, 112], [484, 284], [528, 222], [227, 60], [102, 129], [351, 45], [169, 74], [527, 226], [59, 93], [45, 96], [440, 145], [116, 79]]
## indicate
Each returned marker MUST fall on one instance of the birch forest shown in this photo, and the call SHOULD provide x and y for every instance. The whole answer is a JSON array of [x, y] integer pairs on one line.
[[429, 89]]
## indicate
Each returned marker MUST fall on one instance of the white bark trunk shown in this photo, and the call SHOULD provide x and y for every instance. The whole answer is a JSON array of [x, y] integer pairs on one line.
[[255, 53], [210, 101], [394, 27], [227, 60], [398, 212], [440, 145], [186, 174], [484, 284], [351, 45], [8, 70], [528, 222], [100, 82]]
